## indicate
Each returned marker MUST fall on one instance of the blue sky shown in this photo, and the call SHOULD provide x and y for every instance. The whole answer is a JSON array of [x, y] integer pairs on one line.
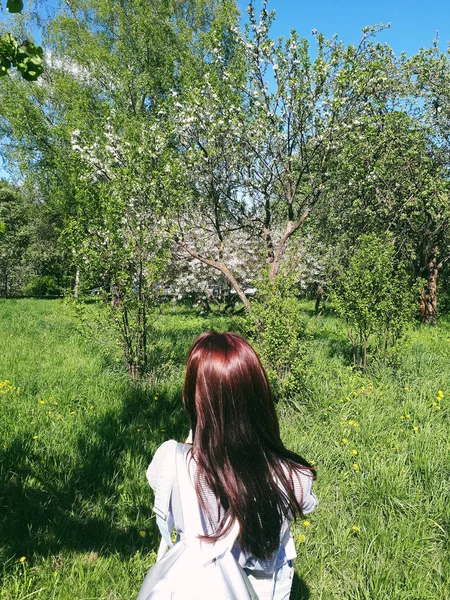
[[413, 23]]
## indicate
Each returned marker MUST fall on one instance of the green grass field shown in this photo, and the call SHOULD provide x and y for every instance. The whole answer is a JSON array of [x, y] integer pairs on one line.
[[76, 436]]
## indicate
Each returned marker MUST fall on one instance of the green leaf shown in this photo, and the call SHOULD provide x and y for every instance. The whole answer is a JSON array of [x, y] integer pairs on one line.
[[5, 65], [14, 6]]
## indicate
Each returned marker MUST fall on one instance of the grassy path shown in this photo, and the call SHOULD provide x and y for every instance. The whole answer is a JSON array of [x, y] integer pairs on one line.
[[76, 437]]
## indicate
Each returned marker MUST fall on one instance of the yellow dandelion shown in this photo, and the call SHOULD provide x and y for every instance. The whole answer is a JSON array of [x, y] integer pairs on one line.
[[142, 533], [22, 559], [306, 523], [355, 451], [355, 528], [402, 417], [41, 401], [440, 393], [343, 422], [416, 428], [356, 466], [73, 412], [301, 538], [408, 416], [35, 437], [438, 407], [345, 441], [351, 422]]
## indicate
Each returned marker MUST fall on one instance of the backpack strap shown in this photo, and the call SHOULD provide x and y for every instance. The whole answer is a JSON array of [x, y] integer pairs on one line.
[[163, 496], [191, 510]]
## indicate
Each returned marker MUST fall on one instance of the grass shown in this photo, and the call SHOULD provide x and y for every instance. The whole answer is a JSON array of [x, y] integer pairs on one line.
[[75, 440]]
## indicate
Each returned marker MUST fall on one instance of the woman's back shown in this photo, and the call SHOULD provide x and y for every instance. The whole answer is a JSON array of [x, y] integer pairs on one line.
[[163, 467]]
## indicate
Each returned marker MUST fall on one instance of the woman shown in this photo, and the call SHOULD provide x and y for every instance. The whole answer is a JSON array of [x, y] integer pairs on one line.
[[241, 468]]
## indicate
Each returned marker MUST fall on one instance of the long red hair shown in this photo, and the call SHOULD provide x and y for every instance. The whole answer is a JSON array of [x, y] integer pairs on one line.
[[236, 441]]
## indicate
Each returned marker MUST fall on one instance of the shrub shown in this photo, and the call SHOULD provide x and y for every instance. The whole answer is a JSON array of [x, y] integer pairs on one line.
[[278, 326], [42, 286], [376, 296]]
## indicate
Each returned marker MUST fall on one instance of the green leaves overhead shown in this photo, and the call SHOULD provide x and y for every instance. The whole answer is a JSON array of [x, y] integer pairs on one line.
[[14, 6], [25, 56]]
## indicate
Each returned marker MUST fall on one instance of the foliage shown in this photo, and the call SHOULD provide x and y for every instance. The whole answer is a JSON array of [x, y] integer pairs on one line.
[[278, 326], [42, 286], [376, 297], [14, 242], [391, 176], [29, 246], [96, 141], [25, 56]]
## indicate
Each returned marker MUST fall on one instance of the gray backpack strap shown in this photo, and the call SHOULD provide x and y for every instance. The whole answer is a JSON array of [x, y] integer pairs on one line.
[[163, 494]]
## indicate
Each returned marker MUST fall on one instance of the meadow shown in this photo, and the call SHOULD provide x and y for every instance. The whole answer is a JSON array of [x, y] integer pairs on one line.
[[76, 436]]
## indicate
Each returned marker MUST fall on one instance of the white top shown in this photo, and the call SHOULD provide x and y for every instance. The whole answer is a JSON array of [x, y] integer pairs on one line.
[[286, 551]]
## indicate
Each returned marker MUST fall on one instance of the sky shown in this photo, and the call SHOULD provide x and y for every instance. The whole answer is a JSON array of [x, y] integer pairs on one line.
[[413, 22]]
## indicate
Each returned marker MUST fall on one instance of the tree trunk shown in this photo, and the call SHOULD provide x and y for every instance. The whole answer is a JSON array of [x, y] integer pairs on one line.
[[429, 295], [76, 286], [319, 296], [291, 228]]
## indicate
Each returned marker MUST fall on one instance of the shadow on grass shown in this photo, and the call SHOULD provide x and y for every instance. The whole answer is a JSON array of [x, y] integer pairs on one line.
[[83, 512], [89, 507], [300, 590], [172, 343]]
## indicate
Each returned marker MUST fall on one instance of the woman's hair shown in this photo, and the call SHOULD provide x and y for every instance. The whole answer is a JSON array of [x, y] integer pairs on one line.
[[236, 441]]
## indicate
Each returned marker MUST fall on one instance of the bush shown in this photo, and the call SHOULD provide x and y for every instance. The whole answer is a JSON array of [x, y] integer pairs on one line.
[[376, 296], [42, 286], [278, 325]]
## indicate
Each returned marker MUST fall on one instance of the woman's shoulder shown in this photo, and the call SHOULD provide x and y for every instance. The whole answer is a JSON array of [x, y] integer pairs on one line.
[[163, 461], [302, 480]]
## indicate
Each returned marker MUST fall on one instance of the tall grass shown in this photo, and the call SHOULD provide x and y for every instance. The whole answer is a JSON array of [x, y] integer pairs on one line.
[[75, 439]]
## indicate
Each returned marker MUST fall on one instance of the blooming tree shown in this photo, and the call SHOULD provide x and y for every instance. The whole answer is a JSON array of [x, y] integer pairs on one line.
[[260, 137]]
